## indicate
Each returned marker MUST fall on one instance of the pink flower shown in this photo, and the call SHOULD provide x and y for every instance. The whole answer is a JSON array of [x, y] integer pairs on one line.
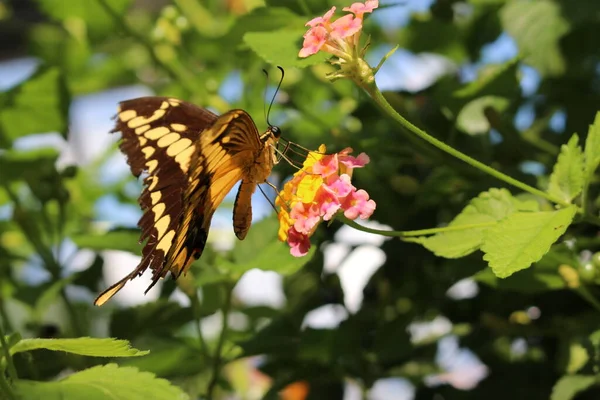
[[326, 166], [321, 20], [358, 204], [359, 9], [306, 217], [345, 27], [314, 40], [341, 38], [329, 203], [299, 243], [316, 193], [338, 37], [355, 162], [341, 186]]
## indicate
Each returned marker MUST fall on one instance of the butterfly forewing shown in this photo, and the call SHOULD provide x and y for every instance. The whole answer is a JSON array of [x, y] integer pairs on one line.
[[193, 158]]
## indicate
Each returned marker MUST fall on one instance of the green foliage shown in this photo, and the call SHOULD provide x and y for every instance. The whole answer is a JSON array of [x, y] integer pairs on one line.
[[570, 385], [467, 231], [566, 181], [523, 237], [44, 96], [102, 382], [84, 346]]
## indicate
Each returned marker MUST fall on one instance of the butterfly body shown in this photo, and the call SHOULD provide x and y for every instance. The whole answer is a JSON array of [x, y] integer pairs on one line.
[[193, 158]]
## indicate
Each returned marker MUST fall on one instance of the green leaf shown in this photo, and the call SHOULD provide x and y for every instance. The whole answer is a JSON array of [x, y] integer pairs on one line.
[[523, 238], [38, 105], [95, 17], [472, 117], [105, 382], [497, 80], [541, 277], [84, 346], [537, 27], [274, 257], [265, 19], [426, 34], [569, 386], [566, 181], [592, 149], [157, 318], [482, 213], [124, 239], [281, 48], [26, 165]]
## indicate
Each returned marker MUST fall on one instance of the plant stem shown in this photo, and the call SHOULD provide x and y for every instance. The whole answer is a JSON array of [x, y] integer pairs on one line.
[[217, 358], [12, 371], [378, 97], [420, 232], [196, 310], [5, 388], [31, 232]]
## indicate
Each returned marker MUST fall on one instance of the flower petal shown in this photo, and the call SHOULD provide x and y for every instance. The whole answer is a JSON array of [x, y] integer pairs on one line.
[[345, 27]]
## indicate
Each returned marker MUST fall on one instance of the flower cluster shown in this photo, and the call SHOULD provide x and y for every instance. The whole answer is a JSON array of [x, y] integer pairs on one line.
[[341, 38], [316, 193]]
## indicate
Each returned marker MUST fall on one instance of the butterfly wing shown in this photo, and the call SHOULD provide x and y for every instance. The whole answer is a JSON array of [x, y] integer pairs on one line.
[[159, 136]]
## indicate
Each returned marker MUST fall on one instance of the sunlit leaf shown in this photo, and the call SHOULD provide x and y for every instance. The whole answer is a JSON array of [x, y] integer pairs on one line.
[[566, 181], [482, 213], [38, 105], [523, 238], [281, 48], [537, 27], [84, 346], [105, 382], [569, 386]]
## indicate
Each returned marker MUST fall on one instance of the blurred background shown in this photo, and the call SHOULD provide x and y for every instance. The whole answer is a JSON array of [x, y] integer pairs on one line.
[[506, 81]]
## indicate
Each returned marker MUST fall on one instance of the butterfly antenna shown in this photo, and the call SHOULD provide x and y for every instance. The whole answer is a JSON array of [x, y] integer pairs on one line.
[[265, 94], [274, 94]]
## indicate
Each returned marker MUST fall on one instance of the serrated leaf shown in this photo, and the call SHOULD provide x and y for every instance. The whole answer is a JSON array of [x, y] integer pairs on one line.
[[281, 48], [523, 238], [105, 382], [38, 105], [482, 213], [124, 239], [592, 148], [566, 181], [85, 346], [542, 276], [569, 386]]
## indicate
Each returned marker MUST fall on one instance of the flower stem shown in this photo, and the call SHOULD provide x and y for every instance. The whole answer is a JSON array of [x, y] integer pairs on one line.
[[420, 232], [378, 97], [12, 371]]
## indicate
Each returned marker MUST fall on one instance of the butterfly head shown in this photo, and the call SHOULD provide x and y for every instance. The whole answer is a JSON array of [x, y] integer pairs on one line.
[[273, 133]]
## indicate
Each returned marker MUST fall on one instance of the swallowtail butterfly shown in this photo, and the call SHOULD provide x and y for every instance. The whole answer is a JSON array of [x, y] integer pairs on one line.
[[192, 158]]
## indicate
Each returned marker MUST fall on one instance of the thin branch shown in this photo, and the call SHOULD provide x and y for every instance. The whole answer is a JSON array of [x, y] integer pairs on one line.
[[218, 357]]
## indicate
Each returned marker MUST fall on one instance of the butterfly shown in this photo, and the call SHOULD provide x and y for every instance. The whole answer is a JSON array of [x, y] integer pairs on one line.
[[192, 158]]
